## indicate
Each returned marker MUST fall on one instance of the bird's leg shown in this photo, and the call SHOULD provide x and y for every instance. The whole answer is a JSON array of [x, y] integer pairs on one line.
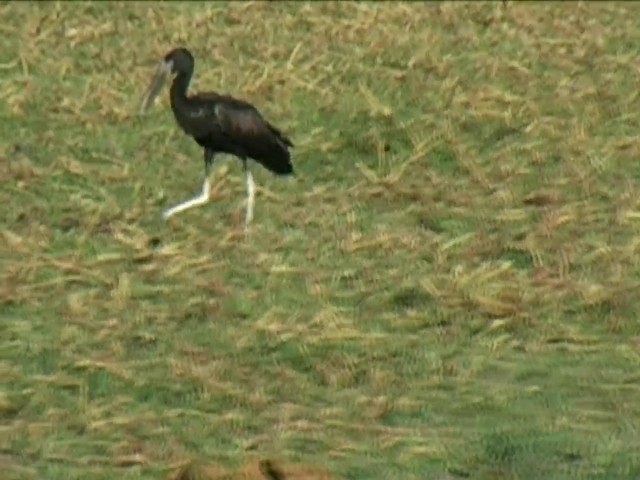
[[199, 199], [251, 196]]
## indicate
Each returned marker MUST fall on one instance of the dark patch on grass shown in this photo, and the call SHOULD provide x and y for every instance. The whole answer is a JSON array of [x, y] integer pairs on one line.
[[411, 297], [502, 448], [443, 159], [67, 224], [349, 278], [13, 403], [140, 342], [520, 259], [175, 395], [555, 158], [459, 472], [501, 132], [603, 309], [154, 242], [430, 223]]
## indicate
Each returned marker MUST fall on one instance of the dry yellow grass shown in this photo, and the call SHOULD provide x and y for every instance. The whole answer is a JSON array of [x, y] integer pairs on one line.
[[447, 289], [257, 470]]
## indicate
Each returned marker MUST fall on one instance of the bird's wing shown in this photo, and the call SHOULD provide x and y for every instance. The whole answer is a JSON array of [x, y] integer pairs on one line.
[[240, 120]]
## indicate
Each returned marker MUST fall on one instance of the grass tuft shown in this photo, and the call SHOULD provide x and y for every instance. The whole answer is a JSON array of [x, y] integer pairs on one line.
[[447, 289]]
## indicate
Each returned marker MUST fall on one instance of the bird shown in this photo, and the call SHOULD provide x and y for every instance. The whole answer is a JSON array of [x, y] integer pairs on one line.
[[219, 123]]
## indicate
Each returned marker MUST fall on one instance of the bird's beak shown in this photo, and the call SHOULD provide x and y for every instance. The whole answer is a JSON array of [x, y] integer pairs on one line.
[[159, 77]]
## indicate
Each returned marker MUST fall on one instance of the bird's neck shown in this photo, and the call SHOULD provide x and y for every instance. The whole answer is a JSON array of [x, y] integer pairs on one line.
[[179, 87]]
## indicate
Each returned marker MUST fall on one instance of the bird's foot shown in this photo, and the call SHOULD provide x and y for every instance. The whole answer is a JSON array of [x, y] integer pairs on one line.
[[194, 202]]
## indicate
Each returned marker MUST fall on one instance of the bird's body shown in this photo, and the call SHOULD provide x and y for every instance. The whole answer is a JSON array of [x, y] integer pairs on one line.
[[224, 124], [220, 124]]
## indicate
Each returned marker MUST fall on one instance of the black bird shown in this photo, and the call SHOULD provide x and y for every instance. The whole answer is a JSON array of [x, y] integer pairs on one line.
[[220, 124]]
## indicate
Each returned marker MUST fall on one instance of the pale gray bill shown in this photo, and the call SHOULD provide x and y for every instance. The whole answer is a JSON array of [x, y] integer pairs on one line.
[[159, 77]]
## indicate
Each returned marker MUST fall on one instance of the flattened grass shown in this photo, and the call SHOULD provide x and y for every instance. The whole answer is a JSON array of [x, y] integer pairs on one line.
[[447, 289]]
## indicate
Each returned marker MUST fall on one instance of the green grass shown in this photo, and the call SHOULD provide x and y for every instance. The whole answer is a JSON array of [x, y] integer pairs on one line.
[[447, 288]]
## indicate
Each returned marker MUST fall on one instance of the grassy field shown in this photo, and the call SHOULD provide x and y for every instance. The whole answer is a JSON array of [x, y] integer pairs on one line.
[[447, 289]]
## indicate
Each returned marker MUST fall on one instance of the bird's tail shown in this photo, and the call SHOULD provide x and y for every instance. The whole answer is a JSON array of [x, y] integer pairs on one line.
[[280, 136], [277, 157]]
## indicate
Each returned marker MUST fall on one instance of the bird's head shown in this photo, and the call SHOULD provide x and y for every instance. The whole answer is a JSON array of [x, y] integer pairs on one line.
[[178, 60]]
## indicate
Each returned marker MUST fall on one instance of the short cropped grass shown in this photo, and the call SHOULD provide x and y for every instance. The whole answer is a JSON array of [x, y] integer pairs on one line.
[[448, 288]]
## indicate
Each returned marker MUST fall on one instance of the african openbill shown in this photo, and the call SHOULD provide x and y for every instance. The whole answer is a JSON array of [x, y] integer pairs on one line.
[[220, 124]]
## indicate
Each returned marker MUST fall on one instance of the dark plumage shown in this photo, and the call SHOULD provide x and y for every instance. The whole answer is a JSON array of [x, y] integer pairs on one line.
[[220, 124]]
